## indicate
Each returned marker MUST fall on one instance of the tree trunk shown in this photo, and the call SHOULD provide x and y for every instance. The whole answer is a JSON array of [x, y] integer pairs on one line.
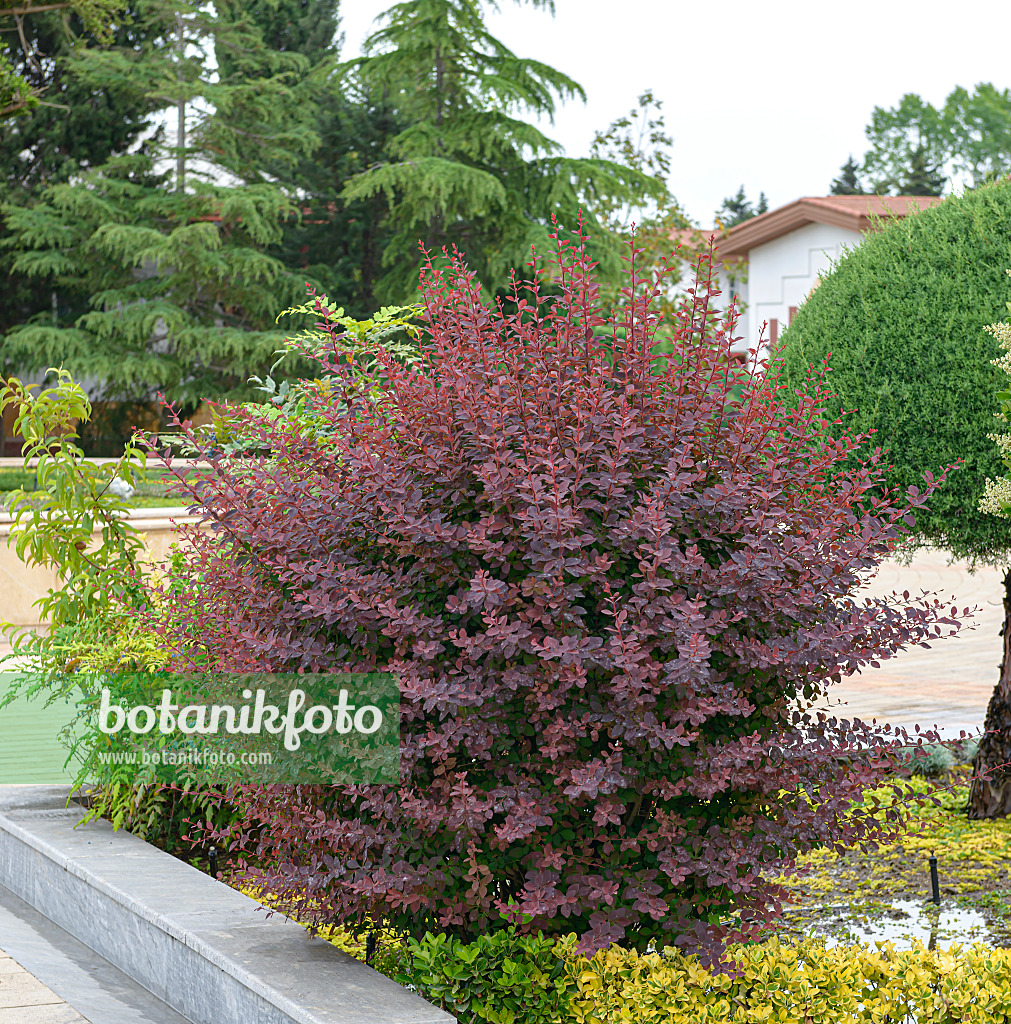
[[990, 796], [180, 107]]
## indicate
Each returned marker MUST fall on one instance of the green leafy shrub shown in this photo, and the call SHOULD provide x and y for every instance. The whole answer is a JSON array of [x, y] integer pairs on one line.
[[802, 983], [500, 978], [76, 523], [904, 318], [504, 978]]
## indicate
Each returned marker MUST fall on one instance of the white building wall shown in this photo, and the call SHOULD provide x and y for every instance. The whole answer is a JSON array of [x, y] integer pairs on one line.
[[782, 272]]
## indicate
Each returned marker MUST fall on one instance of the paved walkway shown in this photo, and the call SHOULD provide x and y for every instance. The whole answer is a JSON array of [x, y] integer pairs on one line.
[[49, 977], [25, 1000], [948, 684]]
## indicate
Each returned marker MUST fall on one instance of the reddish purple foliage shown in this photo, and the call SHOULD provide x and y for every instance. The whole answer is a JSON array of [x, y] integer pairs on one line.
[[608, 591]]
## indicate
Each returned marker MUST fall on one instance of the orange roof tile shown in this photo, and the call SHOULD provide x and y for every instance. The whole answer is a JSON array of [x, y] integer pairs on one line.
[[854, 212]]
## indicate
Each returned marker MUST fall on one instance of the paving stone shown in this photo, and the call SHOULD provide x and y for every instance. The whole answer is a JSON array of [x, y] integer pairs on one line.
[[19, 988], [51, 1014]]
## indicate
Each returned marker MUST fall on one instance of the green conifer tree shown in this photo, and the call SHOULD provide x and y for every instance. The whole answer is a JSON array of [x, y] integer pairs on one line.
[[922, 178], [334, 245], [24, 63], [74, 122], [736, 209], [848, 182], [464, 169], [158, 258]]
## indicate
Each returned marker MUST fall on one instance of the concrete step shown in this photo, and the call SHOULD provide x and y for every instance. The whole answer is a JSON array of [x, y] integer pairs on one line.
[[86, 986]]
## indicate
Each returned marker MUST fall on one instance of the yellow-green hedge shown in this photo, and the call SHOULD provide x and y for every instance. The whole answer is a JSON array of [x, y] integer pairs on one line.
[[786, 983]]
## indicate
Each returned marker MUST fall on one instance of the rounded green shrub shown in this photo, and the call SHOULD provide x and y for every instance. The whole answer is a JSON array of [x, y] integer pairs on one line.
[[900, 320]]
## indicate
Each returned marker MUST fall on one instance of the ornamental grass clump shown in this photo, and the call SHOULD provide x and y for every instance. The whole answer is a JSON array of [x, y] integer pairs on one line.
[[611, 587]]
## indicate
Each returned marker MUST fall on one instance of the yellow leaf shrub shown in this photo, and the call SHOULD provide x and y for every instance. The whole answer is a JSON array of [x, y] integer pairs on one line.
[[792, 983]]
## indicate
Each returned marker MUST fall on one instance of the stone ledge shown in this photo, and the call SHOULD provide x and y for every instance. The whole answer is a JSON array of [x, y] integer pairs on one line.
[[206, 950]]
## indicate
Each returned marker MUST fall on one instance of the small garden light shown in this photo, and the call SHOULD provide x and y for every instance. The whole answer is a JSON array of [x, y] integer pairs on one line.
[[935, 887], [212, 861]]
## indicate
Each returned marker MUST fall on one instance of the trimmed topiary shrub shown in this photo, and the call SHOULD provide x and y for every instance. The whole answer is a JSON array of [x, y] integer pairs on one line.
[[610, 587], [902, 318]]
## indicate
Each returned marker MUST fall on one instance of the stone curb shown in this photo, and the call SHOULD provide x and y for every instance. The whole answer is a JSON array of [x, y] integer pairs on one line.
[[206, 950]]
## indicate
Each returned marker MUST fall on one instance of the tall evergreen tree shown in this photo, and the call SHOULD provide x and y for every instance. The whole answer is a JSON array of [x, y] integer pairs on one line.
[[736, 209], [464, 169], [73, 123], [338, 244], [161, 273], [335, 245], [922, 179], [848, 182], [23, 81]]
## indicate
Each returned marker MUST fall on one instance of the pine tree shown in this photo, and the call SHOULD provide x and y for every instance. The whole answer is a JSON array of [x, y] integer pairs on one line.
[[335, 245], [736, 209], [72, 124], [922, 179], [464, 170], [338, 245], [159, 270], [848, 182], [23, 87], [84, 118]]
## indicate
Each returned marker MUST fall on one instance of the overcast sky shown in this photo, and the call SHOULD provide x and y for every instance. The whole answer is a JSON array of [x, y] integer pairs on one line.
[[773, 96]]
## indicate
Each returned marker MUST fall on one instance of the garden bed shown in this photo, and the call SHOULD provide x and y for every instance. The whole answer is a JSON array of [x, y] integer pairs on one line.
[[884, 894]]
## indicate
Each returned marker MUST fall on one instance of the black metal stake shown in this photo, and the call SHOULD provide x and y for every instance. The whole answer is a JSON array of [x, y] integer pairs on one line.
[[934, 885], [212, 861], [370, 946]]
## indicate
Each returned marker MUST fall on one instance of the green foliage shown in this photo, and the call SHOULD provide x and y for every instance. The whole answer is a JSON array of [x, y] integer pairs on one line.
[[394, 329], [921, 179], [465, 170], [792, 983], [996, 498], [639, 140], [161, 282], [17, 93], [916, 142], [87, 116], [242, 115], [736, 209], [503, 978], [902, 318], [76, 524], [848, 182], [335, 245], [58, 530], [181, 293], [896, 134]]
